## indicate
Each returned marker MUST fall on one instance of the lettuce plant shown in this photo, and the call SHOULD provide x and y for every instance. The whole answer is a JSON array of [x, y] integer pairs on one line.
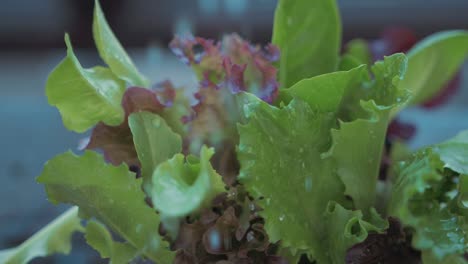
[[276, 158]]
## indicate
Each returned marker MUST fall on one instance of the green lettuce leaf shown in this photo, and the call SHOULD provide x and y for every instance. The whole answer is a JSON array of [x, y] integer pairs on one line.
[[302, 148], [325, 92], [112, 52], [433, 62], [346, 228], [308, 34], [85, 96], [364, 104], [356, 53], [154, 140], [100, 239], [280, 153], [110, 194], [359, 49], [180, 188], [429, 195], [52, 239], [454, 152], [365, 133]]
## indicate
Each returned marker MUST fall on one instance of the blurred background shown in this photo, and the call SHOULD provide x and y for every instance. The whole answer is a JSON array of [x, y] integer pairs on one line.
[[31, 44]]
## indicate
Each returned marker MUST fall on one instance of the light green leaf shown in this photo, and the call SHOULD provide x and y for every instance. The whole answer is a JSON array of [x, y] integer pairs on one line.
[[155, 142], [433, 62], [366, 138], [429, 196], [110, 194], [101, 240], [454, 153], [325, 92], [370, 103], [348, 62], [85, 96], [359, 49], [383, 89], [180, 188], [52, 239], [112, 52], [308, 34], [356, 53]]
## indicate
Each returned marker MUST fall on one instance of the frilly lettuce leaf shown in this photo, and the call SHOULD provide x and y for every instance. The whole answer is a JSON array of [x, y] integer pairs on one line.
[[155, 142], [365, 135], [308, 34], [53, 238], [180, 188], [85, 97], [100, 239], [112, 52], [110, 194], [429, 195], [346, 228], [302, 148]]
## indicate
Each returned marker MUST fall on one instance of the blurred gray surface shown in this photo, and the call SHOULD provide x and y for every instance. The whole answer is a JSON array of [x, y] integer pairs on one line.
[[32, 132]]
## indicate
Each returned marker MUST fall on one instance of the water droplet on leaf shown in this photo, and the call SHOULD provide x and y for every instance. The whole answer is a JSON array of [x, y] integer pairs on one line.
[[281, 218], [308, 184]]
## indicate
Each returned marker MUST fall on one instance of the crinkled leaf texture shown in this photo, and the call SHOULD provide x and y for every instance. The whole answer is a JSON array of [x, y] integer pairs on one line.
[[302, 148], [366, 108], [112, 52], [433, 62], [110, 194], [180, 188], [308, 34], [53, 238], [430, 195], [101, 240], [155, 142], [84, 97]]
